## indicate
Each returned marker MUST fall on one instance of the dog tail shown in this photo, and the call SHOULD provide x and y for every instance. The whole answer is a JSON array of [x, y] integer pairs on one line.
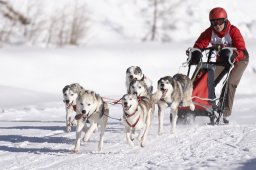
[[155, 97]]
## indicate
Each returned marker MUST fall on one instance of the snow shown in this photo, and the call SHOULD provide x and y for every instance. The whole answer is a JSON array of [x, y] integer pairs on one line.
[[32, 114]]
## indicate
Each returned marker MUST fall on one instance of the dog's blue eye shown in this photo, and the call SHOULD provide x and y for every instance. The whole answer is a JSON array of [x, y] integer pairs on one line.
[[72, 94]]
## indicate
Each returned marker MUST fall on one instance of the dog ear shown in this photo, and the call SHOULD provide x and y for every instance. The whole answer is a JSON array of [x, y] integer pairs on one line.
[[130, 85], [65, 88], [94, 95], [128, 69], [137, 70], [170, 79], [149, 90], [133, 81], [159, 81], [74, 87]]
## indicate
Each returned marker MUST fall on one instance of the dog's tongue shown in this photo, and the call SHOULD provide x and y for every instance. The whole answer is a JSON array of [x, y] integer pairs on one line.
[[164, 91]]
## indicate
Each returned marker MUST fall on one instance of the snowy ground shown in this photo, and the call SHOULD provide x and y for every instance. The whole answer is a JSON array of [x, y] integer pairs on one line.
[[32, 115], [33, 137]]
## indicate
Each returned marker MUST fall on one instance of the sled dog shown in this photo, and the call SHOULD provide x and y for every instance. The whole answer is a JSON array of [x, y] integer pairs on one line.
[[173, 92], [136, 116], [135, 72], [139, 88], [70, 93], [93, 109]]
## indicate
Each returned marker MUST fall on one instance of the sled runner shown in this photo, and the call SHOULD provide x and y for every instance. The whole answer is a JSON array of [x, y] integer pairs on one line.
[[203, 96]]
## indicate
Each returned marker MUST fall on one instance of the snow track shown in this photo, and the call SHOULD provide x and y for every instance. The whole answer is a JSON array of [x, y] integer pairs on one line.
[[43, 144]]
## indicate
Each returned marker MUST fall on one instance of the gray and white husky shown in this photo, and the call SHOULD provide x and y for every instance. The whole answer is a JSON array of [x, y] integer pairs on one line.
[[93, 109], [135, 72], [70, 93], [139, 88], [173, 92], [137, 117]]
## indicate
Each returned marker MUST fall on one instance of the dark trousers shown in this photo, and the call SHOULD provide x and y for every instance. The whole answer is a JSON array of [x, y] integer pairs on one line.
[[232, 83]]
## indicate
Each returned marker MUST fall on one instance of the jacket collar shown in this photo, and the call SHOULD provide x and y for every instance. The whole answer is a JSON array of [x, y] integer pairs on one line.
[[224, 31]]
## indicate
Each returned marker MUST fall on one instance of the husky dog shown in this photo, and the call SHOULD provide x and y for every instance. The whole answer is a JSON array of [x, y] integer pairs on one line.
[[136, 116], [135, 72], [70, 93], [139, 88], [93, 109], [173, 92]]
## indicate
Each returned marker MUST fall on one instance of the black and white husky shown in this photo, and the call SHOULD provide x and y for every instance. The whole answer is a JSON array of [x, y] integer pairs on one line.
[[93, 109], [70, 93], [135, 72], [173, 92], [136, 116]]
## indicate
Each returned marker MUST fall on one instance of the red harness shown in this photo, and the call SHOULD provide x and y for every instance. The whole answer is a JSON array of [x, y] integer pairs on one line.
[[132, 125]]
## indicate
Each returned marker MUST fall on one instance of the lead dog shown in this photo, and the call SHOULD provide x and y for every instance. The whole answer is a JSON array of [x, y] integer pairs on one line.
[[70, 93], [173, 92], [135, 72], [136, 116], [91, 108]]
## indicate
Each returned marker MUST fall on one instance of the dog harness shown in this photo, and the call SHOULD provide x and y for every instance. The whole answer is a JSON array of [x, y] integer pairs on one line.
[[127, 116]]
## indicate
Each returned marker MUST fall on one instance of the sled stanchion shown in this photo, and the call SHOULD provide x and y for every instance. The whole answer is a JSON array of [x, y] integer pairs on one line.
[[189, 67]]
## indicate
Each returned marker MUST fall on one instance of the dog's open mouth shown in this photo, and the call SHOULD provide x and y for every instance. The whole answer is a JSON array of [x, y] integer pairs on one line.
[[164, 91], [126, 108], [68, 105]]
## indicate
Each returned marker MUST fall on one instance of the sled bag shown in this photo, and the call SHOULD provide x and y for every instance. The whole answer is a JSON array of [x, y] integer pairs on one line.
[[203, 85]]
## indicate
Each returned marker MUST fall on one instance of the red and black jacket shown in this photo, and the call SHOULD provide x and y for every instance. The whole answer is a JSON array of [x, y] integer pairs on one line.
[[237, 40]]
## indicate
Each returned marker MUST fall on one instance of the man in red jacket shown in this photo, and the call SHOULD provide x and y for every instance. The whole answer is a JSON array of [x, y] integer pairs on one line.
[[222, 34]]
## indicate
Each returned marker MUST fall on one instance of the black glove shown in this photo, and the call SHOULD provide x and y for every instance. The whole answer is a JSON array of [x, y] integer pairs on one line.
[[196, 56], [227, 56]]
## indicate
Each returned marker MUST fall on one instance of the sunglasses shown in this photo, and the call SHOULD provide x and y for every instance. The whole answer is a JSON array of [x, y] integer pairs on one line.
[[216, 22]]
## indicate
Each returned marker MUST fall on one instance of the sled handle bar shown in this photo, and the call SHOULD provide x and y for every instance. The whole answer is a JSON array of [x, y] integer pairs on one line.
[[217, 48]]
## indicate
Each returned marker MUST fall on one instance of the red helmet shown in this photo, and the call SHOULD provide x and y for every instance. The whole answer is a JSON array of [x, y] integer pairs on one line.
[[217, 13]]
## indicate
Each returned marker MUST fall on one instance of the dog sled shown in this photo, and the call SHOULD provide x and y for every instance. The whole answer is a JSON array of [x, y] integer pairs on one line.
[[203, 96]]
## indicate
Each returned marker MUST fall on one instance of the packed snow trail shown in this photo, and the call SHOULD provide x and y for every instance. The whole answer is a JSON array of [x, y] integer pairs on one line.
[[31, 141]]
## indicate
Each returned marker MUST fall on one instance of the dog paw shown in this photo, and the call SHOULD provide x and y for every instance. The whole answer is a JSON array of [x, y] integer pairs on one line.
[[160, 132], [85, 139], [99, 149], [173, 132], [68, 129], [142, 144], [76, 150]]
